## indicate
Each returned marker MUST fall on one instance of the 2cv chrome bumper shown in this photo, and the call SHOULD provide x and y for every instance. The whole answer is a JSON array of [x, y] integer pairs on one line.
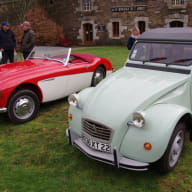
[[115, 158]]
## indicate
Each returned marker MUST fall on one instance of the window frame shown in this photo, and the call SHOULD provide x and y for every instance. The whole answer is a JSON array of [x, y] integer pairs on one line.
[[177, 2], [87, 5]]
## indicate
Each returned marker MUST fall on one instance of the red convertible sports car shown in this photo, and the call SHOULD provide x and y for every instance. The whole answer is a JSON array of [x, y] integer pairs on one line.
[[48, 74]]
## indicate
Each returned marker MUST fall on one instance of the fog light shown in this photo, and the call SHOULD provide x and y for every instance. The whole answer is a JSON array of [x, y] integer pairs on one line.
[[147, 146]]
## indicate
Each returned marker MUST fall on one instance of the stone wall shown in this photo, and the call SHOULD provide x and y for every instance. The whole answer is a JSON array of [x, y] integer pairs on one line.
[[54, 19], [155, 14]]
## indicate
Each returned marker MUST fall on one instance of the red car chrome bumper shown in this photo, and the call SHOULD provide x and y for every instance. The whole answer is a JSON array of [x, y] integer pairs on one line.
[[3, 110]]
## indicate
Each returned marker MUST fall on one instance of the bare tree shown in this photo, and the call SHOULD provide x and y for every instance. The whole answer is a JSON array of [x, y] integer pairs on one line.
[[21, 7]]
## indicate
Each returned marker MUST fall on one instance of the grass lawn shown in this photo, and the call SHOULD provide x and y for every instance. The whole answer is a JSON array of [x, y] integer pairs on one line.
[[36, 156]]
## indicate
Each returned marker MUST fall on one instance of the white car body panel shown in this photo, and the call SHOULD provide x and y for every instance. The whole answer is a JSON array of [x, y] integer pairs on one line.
[[59, 87]]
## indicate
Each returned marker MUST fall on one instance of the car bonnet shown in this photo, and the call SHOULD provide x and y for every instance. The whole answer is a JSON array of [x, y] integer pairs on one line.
[[129, 90], [20, 71]]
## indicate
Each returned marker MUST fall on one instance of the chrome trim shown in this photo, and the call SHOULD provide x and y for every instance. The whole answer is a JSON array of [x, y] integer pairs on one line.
[[3, 110], [67, 59], [97, 130], [115, 158], [50, 79]]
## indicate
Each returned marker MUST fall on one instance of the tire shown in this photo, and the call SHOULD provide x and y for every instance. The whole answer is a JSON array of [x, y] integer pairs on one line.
[[98, 75], [23, 106], [174, 150]]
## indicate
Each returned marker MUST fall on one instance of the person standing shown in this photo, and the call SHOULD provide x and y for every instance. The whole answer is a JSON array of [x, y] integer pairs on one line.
[[28, 39], [133, 37], [7, 43]]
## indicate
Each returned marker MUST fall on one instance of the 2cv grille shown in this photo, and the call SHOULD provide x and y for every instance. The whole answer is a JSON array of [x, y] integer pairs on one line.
[[97, 130]]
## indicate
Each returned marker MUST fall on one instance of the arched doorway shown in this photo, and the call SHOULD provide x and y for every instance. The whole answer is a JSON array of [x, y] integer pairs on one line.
[[176, 24], [88, 33]]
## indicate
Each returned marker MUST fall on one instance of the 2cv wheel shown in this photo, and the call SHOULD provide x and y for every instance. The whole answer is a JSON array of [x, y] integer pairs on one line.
[[23, 106], [174, 150]]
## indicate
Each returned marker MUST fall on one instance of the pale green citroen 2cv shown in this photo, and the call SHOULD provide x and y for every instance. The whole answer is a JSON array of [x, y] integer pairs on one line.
[[138, 116]]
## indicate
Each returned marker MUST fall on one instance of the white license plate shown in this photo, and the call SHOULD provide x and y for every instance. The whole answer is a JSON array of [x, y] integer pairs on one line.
[[96, 145]]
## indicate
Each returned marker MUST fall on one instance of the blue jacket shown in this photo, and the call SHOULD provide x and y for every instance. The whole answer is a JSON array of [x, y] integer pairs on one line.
[[130, 42], [7, 40]]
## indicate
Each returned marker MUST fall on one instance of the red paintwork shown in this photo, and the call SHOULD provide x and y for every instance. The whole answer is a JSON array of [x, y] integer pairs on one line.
[[31, 71]]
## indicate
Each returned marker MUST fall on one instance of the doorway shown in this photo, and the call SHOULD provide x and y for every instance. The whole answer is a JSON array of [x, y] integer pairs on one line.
[[88, 33], [176, 24], [142, 26]]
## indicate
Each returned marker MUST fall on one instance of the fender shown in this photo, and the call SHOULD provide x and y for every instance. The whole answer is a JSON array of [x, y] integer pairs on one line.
[[160, 121], [77, 112]]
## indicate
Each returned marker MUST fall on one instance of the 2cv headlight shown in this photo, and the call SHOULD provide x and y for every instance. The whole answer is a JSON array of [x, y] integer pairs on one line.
[[73, 100], [138, 120]]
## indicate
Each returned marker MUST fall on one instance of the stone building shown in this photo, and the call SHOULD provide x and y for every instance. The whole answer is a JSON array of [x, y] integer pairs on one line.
[[98, 22], [109, 22]]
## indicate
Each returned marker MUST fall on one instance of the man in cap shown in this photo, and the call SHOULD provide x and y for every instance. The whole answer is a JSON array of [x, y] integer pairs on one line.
[[28, 39], [7, 43]]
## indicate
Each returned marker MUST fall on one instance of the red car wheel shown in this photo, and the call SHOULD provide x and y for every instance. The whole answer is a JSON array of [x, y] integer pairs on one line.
[[23, 106]]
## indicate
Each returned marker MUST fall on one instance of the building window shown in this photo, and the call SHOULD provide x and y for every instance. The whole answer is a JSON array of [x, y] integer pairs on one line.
[[178, 2], [87, 5], [115, 26]]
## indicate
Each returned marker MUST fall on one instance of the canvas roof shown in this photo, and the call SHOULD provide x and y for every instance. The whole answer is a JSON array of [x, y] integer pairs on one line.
[[171, 34]]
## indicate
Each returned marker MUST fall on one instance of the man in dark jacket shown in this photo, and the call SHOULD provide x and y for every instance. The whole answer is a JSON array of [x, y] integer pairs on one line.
[[7, 43], [28, 39]]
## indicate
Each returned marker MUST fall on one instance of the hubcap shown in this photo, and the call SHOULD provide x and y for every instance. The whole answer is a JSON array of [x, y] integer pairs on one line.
[[176, 148], [24, 107]]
